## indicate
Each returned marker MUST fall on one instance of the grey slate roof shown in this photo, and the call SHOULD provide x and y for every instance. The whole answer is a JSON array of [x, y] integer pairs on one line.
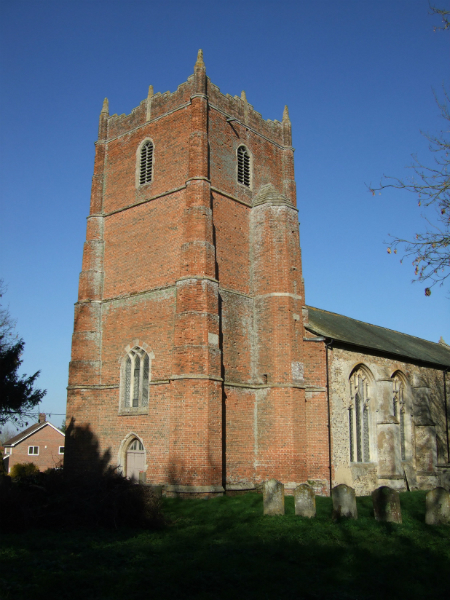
[[365, 335]]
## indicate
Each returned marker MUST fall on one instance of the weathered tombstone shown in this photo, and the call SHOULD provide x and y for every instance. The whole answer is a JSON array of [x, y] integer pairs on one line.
[[438, 507], [142, 477], [305, 501], [273, 497], [344, 502], [386, 505]]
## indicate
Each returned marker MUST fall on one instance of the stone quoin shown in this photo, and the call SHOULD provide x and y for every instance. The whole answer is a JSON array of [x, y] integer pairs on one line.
[[195, 359]]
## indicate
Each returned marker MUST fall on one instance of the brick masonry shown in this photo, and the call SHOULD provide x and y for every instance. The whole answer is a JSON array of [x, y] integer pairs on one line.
[[48, 439], [205, 274]]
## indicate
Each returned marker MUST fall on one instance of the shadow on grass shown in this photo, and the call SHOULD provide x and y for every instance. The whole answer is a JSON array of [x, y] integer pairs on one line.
[[225, 548]]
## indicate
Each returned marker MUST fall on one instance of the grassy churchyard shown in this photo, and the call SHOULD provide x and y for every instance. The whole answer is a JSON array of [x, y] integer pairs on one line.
[[226, 548]]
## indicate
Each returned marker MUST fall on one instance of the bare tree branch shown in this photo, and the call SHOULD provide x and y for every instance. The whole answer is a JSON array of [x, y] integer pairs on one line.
[[444, 14], [429, 249]]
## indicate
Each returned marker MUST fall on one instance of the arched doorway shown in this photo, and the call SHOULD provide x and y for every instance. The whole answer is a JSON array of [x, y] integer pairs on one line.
[[135, 459]]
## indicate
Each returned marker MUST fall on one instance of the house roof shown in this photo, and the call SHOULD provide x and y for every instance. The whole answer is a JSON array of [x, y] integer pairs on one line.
[[29, 431], [358, 333]]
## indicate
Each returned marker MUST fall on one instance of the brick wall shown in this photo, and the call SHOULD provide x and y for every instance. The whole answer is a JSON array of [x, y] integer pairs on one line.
[[49, 441], [205, 274]]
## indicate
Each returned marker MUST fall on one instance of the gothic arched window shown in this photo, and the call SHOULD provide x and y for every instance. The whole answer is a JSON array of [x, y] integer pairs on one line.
[[398, 409], [135, 374], [146, 163], [243, 167], [359, 417]]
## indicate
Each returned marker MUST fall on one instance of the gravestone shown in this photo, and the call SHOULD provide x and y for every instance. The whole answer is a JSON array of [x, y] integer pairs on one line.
[[386, 505], [273, 497], [438, 507], [344, 502], [305, 501]]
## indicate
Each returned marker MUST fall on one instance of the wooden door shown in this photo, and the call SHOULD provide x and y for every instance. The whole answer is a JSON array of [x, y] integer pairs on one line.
[[135, 460]]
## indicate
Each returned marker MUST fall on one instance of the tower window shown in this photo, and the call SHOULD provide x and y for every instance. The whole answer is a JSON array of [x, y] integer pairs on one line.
[[146, 166], [135, 374], [243, 172]]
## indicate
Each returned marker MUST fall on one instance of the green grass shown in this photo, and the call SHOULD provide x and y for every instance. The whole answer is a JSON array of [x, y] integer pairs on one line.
[[226, 548]]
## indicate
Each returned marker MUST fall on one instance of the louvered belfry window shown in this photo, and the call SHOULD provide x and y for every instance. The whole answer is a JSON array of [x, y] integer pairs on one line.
[[146, 170], [243, 166]]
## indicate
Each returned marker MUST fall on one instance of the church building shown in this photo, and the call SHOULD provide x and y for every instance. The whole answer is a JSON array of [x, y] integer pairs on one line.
[[196, 363]]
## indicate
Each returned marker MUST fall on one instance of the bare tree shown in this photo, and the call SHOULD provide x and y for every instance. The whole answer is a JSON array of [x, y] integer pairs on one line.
[[7, 323], [430, 185], [6, 434]]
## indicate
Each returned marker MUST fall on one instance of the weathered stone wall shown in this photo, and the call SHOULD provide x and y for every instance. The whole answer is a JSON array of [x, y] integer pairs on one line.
[[424, 423]]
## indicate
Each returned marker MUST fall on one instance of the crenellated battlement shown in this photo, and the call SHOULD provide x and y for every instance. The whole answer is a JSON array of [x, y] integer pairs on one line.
[[157, 105], [240, 109]]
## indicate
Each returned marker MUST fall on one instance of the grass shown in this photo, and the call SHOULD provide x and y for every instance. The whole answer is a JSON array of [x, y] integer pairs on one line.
[[226, 548]]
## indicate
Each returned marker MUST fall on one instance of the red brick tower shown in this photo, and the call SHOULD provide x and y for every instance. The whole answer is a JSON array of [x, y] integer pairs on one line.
[[187, 356]]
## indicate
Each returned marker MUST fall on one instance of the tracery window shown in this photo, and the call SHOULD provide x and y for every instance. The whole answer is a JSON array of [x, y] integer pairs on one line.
[[398, 410], [146, 163], [243, 170], [136, 372], [136, 446], [359, 417]]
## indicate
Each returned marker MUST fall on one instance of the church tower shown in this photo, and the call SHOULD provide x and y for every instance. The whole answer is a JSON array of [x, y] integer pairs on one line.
[[188, 346]]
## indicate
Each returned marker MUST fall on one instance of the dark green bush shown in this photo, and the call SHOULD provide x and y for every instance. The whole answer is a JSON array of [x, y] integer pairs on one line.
[[23, 470], [51, 499]]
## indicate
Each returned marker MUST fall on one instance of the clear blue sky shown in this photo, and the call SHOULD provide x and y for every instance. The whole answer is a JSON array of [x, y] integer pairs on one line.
[[357, 76]]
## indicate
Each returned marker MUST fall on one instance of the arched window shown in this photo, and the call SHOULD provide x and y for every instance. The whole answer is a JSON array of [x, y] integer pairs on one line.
[[136, 372], [398, 409], [146, 164], [243, 171], [359, 417]]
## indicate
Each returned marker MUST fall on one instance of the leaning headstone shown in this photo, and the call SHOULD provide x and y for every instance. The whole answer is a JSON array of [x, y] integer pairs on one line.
[[438, 507], [305, 501], [273, 497], [386, 505], [344, 502]]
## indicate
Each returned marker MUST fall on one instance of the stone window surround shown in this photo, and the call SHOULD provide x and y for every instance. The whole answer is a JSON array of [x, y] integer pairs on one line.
[[406, 406], [130, 410], [371, 408], [138, 163]]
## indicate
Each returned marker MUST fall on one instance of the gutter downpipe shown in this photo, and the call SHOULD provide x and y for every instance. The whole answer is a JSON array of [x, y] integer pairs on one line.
[[446, 413], [327, 347]]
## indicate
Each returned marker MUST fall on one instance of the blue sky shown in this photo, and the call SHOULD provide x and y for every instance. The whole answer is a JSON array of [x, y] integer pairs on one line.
[[358, 77]]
